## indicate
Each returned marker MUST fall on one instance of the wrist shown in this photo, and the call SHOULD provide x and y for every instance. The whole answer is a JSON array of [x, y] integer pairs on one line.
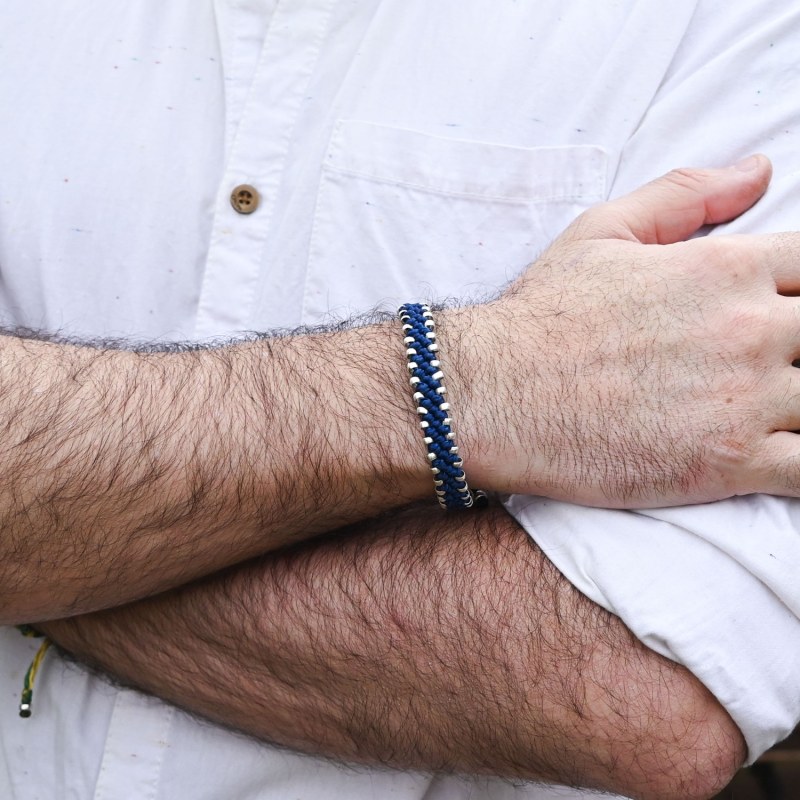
[[385, 451], [467, 362], [497, 390], [433, 408]]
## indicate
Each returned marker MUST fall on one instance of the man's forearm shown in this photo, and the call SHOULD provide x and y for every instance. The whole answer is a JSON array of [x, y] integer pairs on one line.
[[126, 473], [425, 642]]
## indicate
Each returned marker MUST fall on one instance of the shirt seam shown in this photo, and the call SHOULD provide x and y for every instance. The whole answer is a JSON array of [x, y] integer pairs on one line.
[[471, 195]]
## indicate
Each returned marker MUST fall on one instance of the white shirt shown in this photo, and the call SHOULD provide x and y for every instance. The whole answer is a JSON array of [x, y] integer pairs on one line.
[[401, 149]]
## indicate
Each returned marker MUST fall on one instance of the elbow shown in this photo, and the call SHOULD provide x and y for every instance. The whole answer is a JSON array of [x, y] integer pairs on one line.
[[701, 772], [691, 755]]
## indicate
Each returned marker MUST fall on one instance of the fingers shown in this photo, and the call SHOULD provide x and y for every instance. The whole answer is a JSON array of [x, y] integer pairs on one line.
[[783, 413], [786, 324], [775, 466], [764, 335], [673, 207], [781, 460], [780, 252], [775, 255]]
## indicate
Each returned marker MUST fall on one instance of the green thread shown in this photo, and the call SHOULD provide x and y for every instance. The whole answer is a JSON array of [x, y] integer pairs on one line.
[[26, 700]]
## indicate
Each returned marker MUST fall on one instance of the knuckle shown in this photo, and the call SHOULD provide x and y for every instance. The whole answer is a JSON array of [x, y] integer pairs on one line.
[[734, 444], [686, 178], [781, 474], [747, 328], [731, 261], [785, 245], [730, 458]]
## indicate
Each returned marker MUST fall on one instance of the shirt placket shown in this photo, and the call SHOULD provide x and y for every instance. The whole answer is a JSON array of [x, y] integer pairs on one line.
[[245, 206]]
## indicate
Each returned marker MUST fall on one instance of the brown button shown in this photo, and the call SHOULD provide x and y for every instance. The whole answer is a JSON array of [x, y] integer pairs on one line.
[[244, 199]]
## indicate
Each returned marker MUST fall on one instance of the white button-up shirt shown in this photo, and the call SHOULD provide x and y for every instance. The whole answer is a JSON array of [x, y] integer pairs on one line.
[[400, 149]]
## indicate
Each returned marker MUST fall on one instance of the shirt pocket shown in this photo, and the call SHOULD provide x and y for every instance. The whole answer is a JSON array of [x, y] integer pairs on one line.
[[403, 215]]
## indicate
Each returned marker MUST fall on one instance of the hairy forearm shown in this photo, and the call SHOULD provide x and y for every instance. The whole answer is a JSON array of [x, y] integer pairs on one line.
[[425, 642], [125, 473]]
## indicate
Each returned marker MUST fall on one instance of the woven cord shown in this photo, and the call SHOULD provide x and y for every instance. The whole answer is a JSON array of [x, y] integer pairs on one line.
[[450, 482]]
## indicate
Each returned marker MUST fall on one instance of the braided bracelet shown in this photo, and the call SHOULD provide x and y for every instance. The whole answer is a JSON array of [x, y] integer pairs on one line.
[[449, 479]]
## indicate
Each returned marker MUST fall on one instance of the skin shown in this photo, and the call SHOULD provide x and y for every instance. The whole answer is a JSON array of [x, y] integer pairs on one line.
[[424, 641], [135, 472], [629, 383], [645, 371], [708, 324]]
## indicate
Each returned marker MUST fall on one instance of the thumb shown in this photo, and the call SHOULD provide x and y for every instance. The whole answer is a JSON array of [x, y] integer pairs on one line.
[[671, 208]]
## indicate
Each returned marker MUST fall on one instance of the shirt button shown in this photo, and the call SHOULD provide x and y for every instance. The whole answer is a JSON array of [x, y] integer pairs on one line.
[[245, 199]]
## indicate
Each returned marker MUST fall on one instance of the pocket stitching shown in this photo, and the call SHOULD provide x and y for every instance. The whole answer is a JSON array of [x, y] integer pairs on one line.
[[469, 195]]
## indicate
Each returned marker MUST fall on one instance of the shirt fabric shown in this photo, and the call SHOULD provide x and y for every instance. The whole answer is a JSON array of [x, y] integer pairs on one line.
[[401, 149]]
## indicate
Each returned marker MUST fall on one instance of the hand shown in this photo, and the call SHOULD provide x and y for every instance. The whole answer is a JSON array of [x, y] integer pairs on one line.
[[628, 367]]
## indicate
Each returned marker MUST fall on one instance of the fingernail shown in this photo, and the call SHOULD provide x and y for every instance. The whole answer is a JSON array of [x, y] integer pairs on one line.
[[747, 164]]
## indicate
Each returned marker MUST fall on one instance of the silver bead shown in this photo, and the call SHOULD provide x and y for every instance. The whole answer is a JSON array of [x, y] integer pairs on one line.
[[437, 376], [422, 411], [444, 407], [419, 396], [433, 347]]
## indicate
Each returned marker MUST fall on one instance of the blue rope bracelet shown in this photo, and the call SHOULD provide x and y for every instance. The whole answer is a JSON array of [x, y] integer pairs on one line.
[[449, 480]]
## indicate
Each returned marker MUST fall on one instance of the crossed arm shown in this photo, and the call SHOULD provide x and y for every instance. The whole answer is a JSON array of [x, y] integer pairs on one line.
[[126, 473], [426, 641], [627, 367], [419, 641]]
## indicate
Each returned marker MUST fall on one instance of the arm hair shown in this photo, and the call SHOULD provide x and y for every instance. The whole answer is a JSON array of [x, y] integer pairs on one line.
[[427, 642]]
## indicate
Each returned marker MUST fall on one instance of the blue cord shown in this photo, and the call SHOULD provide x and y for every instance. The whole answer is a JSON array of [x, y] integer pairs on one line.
[[449, 479]]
